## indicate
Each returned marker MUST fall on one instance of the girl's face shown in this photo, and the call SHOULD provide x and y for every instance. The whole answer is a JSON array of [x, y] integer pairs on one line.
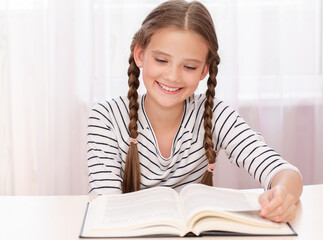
[[172, 65]]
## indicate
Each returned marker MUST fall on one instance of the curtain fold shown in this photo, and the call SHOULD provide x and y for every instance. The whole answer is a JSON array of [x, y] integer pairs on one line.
[[59, 57]]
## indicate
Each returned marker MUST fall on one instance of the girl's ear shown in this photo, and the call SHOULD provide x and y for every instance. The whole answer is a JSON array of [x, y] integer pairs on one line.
[[138, 55], [205, 71]]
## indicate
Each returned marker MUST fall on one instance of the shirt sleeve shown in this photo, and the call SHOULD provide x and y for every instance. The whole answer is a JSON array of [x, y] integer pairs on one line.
[[248, 150], [104, 162]]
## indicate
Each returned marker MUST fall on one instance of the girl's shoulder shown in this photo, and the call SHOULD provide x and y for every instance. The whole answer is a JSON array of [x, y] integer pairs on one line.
[[197, 101], [120, 102], [113, 108], [112, 100], [200, 97]]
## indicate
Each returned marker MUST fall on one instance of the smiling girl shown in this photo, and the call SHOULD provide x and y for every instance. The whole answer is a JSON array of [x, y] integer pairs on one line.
[[170, 136]]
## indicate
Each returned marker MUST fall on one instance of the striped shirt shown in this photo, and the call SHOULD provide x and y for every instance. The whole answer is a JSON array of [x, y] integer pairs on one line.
[[108, 143]]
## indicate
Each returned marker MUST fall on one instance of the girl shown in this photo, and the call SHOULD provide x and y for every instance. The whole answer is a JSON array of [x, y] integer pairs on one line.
[[170, 136]]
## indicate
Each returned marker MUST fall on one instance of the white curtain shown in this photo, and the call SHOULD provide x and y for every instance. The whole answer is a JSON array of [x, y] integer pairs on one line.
[[59, 57]]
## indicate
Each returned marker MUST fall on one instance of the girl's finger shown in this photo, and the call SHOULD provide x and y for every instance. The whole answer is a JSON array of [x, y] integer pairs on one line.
[[286, 216], [275, 201], [282, 209]]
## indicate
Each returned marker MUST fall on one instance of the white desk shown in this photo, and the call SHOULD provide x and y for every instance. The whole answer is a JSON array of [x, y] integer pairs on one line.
[[60, 217]]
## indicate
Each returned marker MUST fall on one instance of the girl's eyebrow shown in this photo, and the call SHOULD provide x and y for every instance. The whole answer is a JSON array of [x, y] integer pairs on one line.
[[160, 52], [166, 54]]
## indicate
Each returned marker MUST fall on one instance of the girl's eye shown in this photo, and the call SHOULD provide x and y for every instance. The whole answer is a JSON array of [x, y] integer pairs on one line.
[[190, 68], [160, 60]]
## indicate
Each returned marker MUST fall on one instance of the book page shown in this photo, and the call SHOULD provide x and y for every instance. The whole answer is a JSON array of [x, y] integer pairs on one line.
[[222, 224], [199, 197], [153, 206]]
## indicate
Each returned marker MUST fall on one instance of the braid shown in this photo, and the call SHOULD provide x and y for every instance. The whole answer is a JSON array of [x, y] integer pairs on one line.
[[207, 115], [131, 178]]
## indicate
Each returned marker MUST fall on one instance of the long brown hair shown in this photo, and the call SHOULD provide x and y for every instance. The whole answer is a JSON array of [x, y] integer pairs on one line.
[[185, 16]]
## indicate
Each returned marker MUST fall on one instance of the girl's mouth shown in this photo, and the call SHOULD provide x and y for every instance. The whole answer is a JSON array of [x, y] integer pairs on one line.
[[168, 89]]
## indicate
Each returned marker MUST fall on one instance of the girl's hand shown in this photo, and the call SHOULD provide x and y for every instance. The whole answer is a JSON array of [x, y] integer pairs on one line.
[[277, 205]]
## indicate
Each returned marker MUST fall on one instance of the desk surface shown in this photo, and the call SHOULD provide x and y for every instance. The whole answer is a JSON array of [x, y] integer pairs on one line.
[[60, 217]]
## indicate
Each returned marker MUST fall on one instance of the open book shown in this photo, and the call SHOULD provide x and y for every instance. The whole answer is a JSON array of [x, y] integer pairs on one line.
[[198, 209]]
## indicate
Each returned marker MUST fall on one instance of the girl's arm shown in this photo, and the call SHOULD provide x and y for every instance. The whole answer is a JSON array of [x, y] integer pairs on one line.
[[278, 204], [104, 162], [247, 149]]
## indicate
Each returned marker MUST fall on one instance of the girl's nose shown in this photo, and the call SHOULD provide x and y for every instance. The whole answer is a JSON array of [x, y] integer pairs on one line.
[[172, 74]]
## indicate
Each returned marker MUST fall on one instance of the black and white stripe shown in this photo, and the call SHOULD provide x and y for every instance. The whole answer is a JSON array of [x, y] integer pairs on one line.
[[108, 142]]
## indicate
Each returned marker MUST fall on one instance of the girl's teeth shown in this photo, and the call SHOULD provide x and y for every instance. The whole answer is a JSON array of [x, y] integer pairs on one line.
[[168, 89]]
